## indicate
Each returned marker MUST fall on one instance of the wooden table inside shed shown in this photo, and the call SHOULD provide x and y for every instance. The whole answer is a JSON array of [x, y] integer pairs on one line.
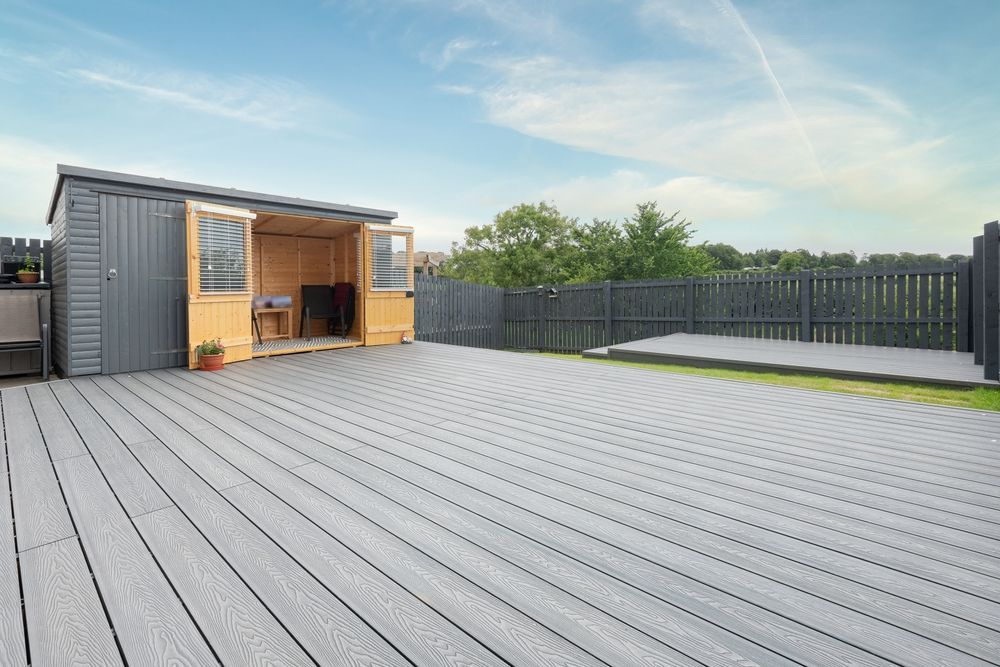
[[284, 333]]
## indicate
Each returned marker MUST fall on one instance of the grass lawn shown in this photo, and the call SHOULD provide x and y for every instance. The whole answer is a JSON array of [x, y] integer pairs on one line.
[[980, 398]]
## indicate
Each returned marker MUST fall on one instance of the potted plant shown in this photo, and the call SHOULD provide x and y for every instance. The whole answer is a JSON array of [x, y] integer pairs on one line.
[[28, 273], [211, 355]]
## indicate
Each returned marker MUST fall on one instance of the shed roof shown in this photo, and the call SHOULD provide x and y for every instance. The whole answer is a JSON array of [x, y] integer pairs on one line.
[[195, 190]]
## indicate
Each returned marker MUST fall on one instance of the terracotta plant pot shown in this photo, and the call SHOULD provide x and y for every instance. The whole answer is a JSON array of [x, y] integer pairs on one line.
[[211, 362], [26, 277]]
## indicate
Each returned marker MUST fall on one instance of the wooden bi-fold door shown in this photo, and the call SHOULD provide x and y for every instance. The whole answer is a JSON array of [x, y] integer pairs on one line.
[[388, 289], [220, 280]]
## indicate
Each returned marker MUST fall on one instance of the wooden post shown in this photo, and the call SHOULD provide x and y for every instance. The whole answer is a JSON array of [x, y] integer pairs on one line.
[[963, 305], [540, 332], [609, 331], [977, 300], [991, 301], [689, 305], [805, 306]]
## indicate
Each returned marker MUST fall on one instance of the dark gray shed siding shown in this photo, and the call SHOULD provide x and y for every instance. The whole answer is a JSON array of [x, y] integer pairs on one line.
[[83, 280], [60, 285]]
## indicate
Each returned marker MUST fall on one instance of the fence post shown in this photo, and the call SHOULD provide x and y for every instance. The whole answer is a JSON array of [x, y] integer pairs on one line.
[[976, 321], [991, 301], [608, 323], [805, 306], [689, 305], [963, 303], [540, 311]]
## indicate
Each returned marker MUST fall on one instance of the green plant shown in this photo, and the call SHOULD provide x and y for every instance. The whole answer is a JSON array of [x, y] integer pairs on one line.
[[211, 347], [28, 265]]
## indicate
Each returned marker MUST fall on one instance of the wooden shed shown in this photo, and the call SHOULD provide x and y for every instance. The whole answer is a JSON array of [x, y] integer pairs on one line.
[[144, 269]]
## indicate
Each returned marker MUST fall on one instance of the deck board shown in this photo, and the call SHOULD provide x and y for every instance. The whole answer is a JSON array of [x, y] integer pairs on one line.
[[240, 628], [65, 622], [150, 622], [12, 646], [430, 504], [837, 359], [39, 511]]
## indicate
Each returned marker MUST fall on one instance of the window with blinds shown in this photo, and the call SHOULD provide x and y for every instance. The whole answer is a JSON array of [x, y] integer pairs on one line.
[[392, 265], [224, 251]]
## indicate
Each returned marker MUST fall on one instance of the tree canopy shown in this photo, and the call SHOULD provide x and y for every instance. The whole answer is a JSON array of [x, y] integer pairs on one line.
[[534, 244]]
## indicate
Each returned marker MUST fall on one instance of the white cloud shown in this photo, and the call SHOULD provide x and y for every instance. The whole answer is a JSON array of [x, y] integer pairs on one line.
[[265, 102], [752, 109], [696, 197]]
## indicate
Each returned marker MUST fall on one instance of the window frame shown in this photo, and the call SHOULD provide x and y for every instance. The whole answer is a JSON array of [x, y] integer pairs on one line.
[[203, 212], [390, 231]]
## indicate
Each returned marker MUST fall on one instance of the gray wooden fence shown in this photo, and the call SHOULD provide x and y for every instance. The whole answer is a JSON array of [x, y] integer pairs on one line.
[[14, 250], [458, 313], [920, 308], [985, 282]]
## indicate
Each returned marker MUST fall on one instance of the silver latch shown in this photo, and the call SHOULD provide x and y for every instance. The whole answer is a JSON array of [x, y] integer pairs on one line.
[[112, 273]]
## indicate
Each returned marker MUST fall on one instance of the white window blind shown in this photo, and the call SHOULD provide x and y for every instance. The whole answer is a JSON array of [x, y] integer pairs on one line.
[[391, 261], [224, 250]]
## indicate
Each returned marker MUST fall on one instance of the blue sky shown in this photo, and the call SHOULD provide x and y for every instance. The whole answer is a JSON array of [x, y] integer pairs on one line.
[[870, 126]]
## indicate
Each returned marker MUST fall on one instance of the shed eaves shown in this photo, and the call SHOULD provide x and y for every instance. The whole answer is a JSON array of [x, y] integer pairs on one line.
[[113, 177]]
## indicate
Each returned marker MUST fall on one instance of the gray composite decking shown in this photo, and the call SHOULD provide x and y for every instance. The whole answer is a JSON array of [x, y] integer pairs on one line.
[[427, 504], [758, 354]]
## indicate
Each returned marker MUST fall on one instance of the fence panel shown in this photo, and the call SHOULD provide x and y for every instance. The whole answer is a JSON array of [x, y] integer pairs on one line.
[[458, 313], [14, 250], [991, 300], [921, 307]]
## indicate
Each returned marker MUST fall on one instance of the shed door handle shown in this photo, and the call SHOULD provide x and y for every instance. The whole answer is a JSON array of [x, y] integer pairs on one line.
[[112, 273]]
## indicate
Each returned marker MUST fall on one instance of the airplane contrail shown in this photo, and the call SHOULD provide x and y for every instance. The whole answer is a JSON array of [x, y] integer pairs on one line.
[[728, 8]]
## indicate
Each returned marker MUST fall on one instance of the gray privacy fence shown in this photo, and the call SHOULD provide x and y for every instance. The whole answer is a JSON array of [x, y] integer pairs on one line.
[[458, 313], [14, 250], [985, 281], [921, 308]]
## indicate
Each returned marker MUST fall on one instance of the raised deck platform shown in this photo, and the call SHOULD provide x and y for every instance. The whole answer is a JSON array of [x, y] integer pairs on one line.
[[848, 361], [434, 505]]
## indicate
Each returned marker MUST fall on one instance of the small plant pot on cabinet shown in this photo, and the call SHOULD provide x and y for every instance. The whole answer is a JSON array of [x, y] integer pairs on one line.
[[211, 362], [28, 276]]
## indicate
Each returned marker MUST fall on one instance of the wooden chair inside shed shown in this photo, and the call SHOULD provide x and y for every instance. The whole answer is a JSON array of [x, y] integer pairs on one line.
[[317, 304], [343, 302], [21, 327]]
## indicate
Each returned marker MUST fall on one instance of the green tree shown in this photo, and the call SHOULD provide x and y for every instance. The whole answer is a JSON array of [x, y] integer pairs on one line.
[[790, 262], [883, 260], [528, 244], [726, 256], [655, 245], [598, 245], [840, 260]]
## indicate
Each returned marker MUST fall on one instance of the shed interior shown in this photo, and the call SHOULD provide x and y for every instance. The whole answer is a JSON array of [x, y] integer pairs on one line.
[[291, 251], [236, 254]]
